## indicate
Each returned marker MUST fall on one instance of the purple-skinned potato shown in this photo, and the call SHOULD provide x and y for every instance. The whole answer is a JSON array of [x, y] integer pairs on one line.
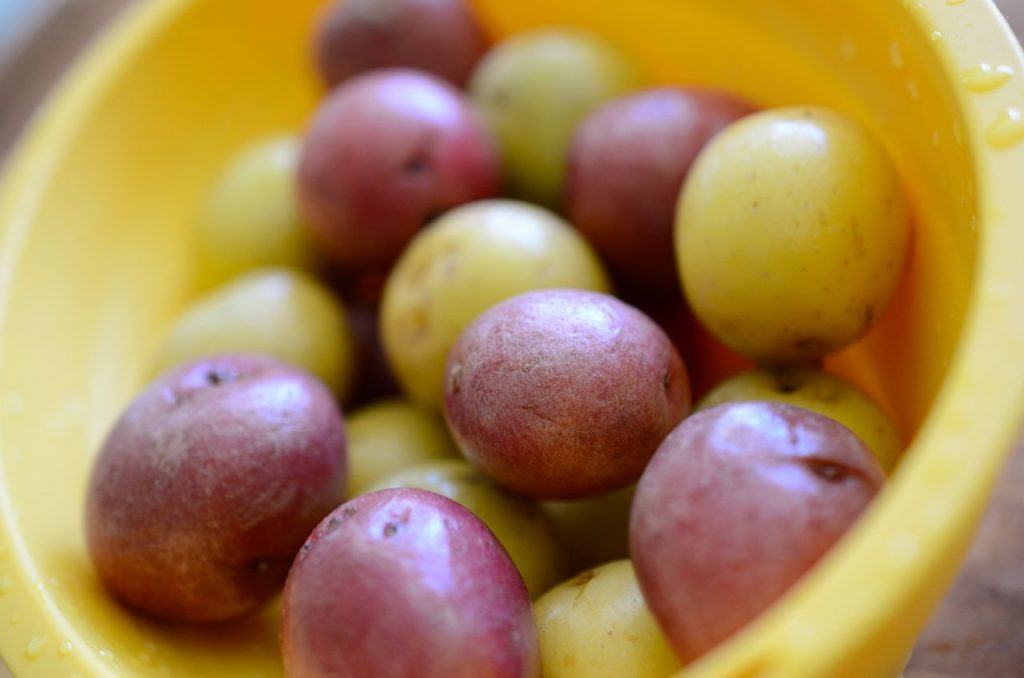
[[442, 37], [404, 582], [562, 393], [739, 502], [209, 483]]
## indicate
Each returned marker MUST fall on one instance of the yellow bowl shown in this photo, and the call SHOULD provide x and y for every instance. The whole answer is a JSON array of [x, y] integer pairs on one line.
[[95, 257]]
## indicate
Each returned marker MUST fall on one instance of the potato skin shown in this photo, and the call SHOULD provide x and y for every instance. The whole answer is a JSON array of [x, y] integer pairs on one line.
[[208, 484], [788, 264], [737, 504], [280, 312], [534, 88], [520, 524], [384, 154], [404, 582], [442, 37], [597, 625], [250, 218], [627, 163], [390, 436], [563, 393]]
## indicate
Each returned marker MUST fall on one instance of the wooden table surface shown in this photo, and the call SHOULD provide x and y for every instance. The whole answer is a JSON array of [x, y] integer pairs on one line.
[[978, 630]]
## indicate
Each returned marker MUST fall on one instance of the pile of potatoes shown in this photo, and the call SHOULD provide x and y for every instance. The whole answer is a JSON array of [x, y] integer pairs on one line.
[[575, 321]]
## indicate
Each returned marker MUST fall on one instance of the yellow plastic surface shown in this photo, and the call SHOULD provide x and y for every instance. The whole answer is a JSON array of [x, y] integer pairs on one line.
[[95, 211]]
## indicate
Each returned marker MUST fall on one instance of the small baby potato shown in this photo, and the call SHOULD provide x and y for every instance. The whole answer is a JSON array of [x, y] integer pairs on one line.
[[250, 218], [385, 153], [208, 484], [558, 394], [465, 262], [278, 312], [627, 163], [791, 234], [533, 89], [519, 524], [388, 437], [739, 502], [597, 625], [401, 583], [442, 37], [819, 392]]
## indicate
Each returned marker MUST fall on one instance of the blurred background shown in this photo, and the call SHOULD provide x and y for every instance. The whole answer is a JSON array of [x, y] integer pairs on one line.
[[978, 632]]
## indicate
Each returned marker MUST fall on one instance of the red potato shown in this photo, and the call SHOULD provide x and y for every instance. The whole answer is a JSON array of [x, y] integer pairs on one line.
[[558, 394], [737, 504], [405, 582], [627, 163], [384, 154], [208, 484], [442, 37]]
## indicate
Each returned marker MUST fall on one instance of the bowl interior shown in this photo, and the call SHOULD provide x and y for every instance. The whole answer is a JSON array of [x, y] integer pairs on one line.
[[98, 210]]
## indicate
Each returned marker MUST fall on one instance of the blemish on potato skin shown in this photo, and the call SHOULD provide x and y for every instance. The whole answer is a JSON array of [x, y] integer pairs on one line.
[[786, 383], [584, 578], [828, 471], [418, 163], [810, 346], [390, 530], [455, 379]]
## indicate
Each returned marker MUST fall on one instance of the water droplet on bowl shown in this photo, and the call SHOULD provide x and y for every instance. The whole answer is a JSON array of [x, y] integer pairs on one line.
[[106, 654], [34, 648], [936, 36], [848, 49], [6, 585], [895, 54], [1006, 130], [936, 138], [985, 77], [912, 90], [65, 648]]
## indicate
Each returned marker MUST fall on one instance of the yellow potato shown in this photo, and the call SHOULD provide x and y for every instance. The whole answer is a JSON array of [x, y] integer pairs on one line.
[[534, 88], [792, 232], [820, 392], [279, 312], [518, 523], [390, 436], [251, 217], [465, 262], [597, 625], [594, 530]]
